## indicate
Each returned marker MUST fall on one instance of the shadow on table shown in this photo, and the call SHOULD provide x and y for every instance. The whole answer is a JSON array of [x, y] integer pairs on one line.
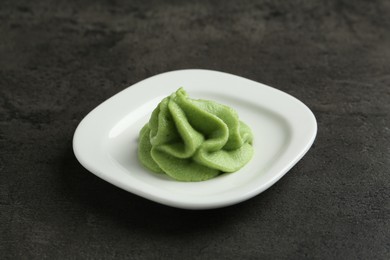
[[95, 196]]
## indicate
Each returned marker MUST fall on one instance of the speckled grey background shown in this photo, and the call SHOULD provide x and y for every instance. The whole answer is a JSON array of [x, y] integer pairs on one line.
[[60, 59]]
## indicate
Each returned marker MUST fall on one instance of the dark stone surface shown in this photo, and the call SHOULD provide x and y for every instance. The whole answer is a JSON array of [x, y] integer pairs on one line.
[[60, 59]]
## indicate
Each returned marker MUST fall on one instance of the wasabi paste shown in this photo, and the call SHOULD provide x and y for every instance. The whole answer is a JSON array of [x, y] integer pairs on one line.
[[194, 140]]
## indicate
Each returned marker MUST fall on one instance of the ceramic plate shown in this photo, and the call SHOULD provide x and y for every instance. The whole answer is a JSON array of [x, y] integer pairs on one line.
[[105, 142]]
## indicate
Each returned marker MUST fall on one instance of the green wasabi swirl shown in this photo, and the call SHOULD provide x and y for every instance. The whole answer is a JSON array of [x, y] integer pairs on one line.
[[194, 140]]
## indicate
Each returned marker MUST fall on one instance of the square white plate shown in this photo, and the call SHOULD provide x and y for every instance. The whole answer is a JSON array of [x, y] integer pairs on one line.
[[105, 142]]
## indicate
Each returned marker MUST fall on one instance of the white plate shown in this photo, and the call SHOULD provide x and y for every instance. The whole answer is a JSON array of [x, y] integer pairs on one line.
[[105, 142]]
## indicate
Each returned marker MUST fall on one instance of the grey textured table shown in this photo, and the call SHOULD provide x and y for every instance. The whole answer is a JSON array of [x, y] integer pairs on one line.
[[60, 59]]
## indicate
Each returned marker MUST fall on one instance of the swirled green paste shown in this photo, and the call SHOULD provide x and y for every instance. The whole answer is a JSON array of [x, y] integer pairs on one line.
[[194, 140]]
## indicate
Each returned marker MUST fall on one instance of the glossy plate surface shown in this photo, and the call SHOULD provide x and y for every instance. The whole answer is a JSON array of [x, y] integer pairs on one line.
[[105, 142]]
